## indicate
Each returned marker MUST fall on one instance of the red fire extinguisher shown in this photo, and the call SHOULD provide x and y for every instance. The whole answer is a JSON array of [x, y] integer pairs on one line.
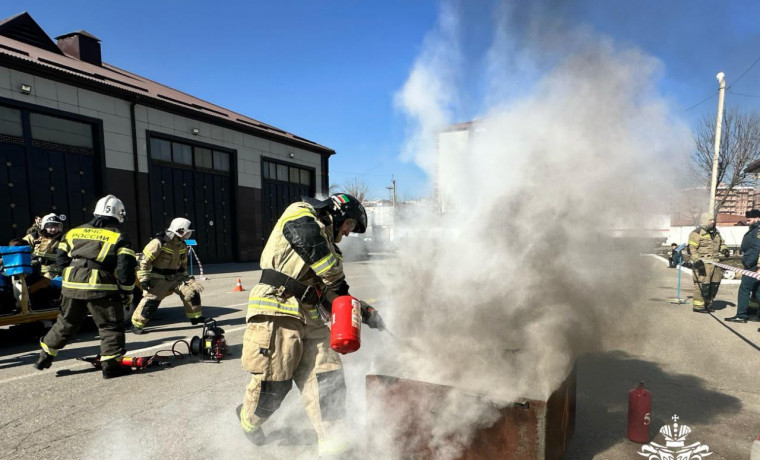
[[345, 325], [639, 414]]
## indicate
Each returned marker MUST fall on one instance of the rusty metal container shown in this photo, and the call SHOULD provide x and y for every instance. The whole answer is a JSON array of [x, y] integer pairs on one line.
[[526, 429]]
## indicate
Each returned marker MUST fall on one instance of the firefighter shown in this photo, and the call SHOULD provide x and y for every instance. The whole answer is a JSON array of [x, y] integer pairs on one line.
[[750, 253], [44, 243], [98, 266], [285, 340], [163, 270], [36, 226], [705, 245]]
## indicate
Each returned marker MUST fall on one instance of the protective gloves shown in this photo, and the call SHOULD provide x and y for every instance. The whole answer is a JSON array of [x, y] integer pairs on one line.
[[699, 266], [371, 317]]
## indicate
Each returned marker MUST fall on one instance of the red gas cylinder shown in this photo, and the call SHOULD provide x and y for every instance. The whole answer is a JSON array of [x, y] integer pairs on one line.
[[133, 361], [639, 414], [346, 324]]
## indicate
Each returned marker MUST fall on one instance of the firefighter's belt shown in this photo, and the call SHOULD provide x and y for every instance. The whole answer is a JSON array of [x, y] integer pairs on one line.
[[78, 262], [165, 271], [293, 287]]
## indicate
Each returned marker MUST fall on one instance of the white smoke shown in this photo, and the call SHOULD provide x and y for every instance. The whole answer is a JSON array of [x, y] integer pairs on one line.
[[500, 294]]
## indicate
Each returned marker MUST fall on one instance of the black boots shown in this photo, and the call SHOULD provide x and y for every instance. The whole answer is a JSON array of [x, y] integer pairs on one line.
[[137, 330], [198, 320], [736, 319], [256, 437], [113, 368], [44, 361]]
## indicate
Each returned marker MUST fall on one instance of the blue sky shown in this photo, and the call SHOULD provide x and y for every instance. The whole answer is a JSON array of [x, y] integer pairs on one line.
[[328, 70]]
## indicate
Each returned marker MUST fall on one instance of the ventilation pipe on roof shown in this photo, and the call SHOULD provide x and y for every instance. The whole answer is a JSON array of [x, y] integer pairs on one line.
[[81, 45]]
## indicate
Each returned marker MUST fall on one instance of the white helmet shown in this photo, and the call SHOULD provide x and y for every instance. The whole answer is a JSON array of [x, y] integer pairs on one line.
[[110, 206], [179, 227], [52, 219]]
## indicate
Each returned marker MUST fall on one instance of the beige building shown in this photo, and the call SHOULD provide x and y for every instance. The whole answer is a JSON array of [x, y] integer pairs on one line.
[[73, 128]]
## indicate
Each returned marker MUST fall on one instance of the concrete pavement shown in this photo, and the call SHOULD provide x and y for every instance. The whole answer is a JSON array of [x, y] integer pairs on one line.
[[695, 365]]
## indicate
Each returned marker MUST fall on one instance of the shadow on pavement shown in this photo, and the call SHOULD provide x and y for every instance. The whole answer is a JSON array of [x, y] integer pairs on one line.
[[286, 436], [176, 315], [604, 380], [68, 354], [736, 333], [26, 337]]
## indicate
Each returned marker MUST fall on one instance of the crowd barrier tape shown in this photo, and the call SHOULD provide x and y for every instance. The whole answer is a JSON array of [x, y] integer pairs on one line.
[[744, 272], [200, 266]]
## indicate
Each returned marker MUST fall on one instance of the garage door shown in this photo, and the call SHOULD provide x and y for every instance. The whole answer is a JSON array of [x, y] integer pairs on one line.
[[47, 164], [282, 185], [193, 182]]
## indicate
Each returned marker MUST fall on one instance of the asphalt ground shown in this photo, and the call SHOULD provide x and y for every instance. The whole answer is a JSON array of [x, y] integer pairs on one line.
[[697, 366]]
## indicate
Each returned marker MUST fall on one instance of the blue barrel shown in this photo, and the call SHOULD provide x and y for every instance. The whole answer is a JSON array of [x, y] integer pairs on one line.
[[16, 260]]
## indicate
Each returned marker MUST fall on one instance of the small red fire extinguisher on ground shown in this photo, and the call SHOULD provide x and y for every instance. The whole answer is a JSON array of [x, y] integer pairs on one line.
[[639, 413], [345, 324]]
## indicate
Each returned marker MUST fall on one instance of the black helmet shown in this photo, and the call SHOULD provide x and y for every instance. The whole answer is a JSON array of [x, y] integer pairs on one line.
[[347, 207]]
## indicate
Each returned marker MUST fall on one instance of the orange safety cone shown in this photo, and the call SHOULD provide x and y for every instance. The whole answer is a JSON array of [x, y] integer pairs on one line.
[[238, 286]]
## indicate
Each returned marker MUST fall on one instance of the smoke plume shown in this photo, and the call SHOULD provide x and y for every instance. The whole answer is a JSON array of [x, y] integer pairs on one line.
[[526, 268]]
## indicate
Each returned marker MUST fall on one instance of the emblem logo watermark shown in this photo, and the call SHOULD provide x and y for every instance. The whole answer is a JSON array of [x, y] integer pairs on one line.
[[675, 445]]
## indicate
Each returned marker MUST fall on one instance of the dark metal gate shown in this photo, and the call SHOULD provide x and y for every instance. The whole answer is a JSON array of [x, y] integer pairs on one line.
[[47, 164], [195, 183], [282, 184]]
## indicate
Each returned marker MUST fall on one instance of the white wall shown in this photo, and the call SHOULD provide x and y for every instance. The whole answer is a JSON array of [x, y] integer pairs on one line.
[[117, 128]]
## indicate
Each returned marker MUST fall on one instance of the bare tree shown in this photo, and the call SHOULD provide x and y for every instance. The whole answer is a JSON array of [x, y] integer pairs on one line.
[[739, 146], [357, 188]]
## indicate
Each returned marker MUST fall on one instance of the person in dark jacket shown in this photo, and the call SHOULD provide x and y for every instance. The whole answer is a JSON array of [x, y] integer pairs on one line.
[[750, 252], [98, 266], [675, 256]]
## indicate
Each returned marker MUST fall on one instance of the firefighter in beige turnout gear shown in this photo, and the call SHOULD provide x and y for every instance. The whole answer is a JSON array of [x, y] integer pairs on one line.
[[163, 270], [44, 243], [98, 266], [705, 245], [286, 341]]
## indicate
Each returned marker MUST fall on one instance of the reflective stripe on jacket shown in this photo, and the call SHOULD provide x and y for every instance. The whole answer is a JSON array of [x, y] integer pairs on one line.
[[301, 246], [44, 249], [164, 255], [704, 245], [98, 262]]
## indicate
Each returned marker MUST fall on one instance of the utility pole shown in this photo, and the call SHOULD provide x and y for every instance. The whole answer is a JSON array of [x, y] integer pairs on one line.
[[718, 126], [392, 188]]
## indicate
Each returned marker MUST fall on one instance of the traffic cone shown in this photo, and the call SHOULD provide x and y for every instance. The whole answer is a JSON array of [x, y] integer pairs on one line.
[[238, 286]]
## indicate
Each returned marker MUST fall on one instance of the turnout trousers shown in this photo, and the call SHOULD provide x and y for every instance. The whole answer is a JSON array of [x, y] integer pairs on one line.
[[747, 289], [159, 290], [279, 350], [706, 285], [108, 314]]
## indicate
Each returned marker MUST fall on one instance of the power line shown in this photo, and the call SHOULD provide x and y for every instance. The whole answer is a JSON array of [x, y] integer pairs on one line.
[[701, 102], [744, 73], [745, 95], [729, 87]]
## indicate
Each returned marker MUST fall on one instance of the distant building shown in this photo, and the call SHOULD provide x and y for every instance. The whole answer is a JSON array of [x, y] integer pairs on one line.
[[73, 128], [739, 201], [452, 142]]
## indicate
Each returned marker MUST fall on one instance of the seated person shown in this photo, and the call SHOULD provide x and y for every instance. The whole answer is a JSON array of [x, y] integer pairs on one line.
[[675, 256], [42, 294]]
